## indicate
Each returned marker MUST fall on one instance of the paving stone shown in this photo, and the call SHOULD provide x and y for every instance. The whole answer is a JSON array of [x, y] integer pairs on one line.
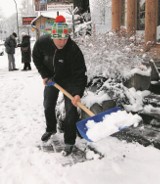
[[96, 108], [139, 82], [132, 135], [153, 100], [144, 134], [155, 87], [108, 104], [154, 72], [156, 144]]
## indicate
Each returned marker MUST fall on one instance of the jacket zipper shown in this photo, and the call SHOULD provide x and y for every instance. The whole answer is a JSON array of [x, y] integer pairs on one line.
[[54, 62]]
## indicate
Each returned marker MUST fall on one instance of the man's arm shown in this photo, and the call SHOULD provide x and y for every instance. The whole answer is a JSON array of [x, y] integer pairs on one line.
[[6, 43], [38, 60]]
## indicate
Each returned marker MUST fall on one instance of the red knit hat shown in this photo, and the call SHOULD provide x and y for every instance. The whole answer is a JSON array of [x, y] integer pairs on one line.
[[60, 18], [60, 28]]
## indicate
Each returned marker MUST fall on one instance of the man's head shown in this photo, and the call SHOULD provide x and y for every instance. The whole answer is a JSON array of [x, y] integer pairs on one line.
[[60, 32], [14, 34]]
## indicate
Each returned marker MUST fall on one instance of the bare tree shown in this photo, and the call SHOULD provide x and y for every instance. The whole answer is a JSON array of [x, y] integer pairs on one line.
[[26, 8]]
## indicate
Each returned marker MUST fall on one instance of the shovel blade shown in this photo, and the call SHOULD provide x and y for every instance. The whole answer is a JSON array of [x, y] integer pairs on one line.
[[81, 125]]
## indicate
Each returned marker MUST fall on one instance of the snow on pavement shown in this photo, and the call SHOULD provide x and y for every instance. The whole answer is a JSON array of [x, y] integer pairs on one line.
[[22, 124]]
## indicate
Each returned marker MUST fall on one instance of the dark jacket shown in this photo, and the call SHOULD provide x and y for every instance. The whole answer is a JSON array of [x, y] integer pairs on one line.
[[10, 45], [25, 49], [66, 66]]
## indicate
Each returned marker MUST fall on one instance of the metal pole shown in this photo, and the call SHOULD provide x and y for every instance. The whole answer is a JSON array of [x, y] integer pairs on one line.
[[17, 19], [73, 26]]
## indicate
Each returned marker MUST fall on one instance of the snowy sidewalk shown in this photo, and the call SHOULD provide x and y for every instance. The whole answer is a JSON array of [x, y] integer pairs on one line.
[[22, 124]]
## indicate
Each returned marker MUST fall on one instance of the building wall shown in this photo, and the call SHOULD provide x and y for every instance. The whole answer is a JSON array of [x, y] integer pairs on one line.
[[141, 17]]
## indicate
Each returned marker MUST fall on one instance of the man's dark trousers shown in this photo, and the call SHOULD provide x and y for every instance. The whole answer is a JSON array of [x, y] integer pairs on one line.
[[50, 101]]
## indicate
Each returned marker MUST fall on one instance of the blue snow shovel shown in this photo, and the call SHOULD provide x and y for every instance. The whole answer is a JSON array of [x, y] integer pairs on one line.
[[81, 125]]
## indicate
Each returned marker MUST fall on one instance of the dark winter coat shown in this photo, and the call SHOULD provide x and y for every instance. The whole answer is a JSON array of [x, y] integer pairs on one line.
[[66, 66], [25, 49], [10, 45]]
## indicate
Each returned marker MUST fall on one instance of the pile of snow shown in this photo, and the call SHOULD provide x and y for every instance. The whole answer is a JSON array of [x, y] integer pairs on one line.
[[110, 124], [92, 98], [142, 72]]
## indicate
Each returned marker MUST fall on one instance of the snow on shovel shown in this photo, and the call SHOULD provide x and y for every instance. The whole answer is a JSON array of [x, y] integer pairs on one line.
[[99, 126]]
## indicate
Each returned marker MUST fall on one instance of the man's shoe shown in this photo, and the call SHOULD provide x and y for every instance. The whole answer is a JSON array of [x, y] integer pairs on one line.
[[46, 136], [15, 69], [67, 149]]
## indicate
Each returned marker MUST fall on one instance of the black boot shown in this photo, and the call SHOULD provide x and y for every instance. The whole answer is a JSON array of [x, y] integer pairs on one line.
[[67, 149], [15, 68], [24, 67], [46, 136]]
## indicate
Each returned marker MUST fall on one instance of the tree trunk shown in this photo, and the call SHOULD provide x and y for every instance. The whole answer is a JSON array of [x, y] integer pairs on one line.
[[158, 12], [151, 21], [116, 15], [131, 17]]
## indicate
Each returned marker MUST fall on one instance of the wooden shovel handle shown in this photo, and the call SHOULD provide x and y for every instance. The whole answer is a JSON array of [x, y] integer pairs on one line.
[[79, 104]]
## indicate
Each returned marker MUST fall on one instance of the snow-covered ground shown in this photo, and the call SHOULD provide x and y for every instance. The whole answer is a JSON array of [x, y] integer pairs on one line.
[[22, 123]]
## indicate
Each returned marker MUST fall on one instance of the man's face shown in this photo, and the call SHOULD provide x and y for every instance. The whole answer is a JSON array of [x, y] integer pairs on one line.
[[60, 43]]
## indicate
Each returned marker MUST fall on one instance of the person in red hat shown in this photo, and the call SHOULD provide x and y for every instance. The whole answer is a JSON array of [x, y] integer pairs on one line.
[[58, 58]]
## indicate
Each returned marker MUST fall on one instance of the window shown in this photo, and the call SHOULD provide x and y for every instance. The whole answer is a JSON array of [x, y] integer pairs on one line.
[[140, 15]]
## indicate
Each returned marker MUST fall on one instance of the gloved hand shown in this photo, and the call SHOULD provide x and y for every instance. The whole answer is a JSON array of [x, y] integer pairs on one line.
[[46, 81]]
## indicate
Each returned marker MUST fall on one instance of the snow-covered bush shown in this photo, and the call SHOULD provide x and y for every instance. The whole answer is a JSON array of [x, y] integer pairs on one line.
[[111, 56], [110, 60]]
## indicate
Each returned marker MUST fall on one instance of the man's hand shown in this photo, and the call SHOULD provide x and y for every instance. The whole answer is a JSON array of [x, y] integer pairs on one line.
[[75, 100], [46, 80]]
